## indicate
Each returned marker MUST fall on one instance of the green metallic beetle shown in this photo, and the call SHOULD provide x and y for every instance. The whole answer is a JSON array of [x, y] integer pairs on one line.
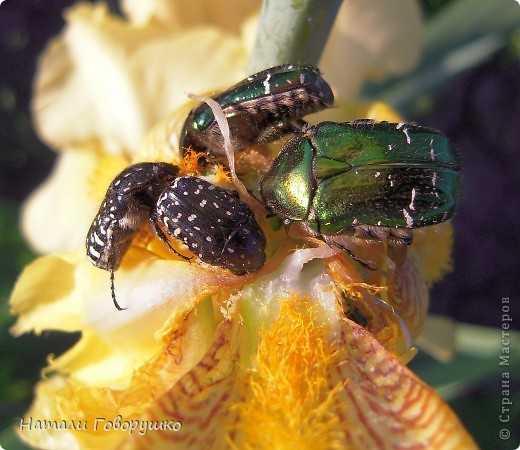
[[368, 179], [259, 109]]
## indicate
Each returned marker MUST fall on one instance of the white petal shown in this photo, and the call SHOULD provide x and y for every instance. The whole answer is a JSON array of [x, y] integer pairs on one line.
[[152, 290], [301, 274]]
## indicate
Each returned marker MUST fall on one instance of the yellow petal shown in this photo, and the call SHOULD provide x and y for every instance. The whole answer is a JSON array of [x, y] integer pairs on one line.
[[198, 60], [97, 394], [45, 296], [227, 15], [371, 39], [95, 362], [162, 142], [433, 245], [45, 407], [57, 215], [382, 112], [84, 88], [345, 111], [438, 337]]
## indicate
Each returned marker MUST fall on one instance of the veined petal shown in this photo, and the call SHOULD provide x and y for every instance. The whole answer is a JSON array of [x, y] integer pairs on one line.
[[391, 407], [306, 388], [106, 385], [408, 293], [201, 400], [369, 41]]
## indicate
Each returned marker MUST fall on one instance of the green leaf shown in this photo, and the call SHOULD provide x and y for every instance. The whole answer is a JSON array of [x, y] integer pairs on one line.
[[462, 35], [477, 357], [10, 441]]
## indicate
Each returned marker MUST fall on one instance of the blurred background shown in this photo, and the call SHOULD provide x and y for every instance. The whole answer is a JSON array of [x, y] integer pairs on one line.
[[477, 106]]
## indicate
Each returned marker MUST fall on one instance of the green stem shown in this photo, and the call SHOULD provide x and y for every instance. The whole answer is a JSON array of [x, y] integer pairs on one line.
[[292, 31]]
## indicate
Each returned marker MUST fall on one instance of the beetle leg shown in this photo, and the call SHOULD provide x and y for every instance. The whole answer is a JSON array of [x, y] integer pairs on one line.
[[273, 133], [333, 242], [112, 265], [113, 290], [351, 254], [279, 129], [287, 225], [394, 236], [351, 311], [400, 236], [160, 234]]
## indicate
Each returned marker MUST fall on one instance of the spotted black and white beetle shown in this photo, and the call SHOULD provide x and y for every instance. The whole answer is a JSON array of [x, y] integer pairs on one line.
[[211, 221], [126, 208]]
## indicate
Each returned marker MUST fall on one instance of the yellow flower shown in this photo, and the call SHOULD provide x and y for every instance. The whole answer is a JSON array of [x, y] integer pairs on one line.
[[202, 358]]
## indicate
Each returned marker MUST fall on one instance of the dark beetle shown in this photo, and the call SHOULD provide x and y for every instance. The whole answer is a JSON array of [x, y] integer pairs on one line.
[[211, 221], [126, 208], [364, 178], [259, 109]]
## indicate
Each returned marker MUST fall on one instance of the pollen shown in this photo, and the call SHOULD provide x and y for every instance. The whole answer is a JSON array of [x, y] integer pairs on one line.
[[190, 164], [222, 175], [291, 395]]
